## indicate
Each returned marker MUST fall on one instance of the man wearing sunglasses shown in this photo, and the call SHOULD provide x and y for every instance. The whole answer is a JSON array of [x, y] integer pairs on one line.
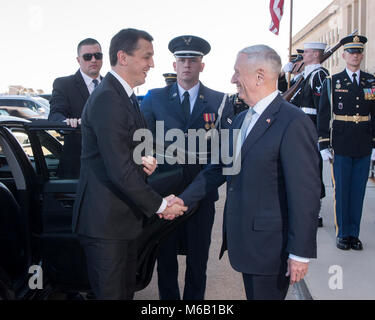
[[69, 96]]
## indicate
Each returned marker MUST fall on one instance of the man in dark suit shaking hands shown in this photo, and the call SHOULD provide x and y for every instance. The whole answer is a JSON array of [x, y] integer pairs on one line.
[[112, 194], [272, 205]]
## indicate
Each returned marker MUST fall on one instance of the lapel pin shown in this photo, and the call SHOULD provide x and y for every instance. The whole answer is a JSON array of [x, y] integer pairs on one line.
[[268, 121], [174, 95], [201, 96]]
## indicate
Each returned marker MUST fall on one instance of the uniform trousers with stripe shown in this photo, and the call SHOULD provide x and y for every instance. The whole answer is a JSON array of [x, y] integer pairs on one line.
[[350, 177]]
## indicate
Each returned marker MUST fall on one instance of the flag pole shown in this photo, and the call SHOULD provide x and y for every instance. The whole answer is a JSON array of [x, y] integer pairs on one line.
[[290, 38]]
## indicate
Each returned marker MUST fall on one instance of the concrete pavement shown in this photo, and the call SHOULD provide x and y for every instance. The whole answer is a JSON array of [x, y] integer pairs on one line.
[[338, 274], [334, 275]]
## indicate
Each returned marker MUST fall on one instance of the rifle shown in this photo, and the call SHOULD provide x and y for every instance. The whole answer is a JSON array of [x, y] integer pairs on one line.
[[287, 95]]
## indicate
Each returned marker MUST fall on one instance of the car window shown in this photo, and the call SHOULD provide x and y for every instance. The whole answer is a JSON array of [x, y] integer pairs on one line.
[[57, 153], [19, 103]]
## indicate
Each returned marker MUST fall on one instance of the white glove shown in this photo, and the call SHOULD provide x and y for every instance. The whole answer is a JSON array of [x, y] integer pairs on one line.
[[373, 154], [288, 67], [326, 154]]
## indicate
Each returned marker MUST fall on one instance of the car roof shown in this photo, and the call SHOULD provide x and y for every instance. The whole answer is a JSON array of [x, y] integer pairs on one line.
[[22, 97], [12, 120]]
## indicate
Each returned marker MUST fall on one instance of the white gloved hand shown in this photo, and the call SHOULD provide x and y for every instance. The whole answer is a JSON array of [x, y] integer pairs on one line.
[[326, 154], [288, 67], [373, 154]]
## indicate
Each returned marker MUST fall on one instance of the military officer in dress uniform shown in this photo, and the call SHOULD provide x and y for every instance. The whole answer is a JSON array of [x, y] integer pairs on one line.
[[308, 93], [346, 123], [186, 104]]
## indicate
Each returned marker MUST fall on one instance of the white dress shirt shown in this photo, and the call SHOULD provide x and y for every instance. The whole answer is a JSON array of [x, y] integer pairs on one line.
[[258, 110], [129, 92], [193, 94], [88, 81], [350, 74]]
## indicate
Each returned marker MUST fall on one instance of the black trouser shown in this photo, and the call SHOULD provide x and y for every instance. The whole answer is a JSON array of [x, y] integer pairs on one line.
[[195, 238], [111, 266], [263, 287]]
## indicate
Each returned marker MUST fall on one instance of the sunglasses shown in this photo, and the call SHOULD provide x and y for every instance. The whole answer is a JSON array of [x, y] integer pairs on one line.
[[88, 56]]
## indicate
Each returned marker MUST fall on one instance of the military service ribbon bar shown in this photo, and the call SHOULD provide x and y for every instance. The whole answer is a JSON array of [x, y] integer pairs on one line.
[[369, 94]]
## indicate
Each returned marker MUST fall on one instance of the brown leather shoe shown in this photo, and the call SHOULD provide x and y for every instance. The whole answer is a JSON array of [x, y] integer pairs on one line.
[[343, 243], [355, 243]]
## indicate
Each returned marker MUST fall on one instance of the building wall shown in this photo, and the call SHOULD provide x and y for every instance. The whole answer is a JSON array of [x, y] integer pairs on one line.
[[337, 21]]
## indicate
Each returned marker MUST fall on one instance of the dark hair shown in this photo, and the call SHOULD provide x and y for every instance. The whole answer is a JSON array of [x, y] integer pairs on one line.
[[87, 42], [126, 40]]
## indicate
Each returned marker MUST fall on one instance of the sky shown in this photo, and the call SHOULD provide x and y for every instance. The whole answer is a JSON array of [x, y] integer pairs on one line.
[[39, 37]]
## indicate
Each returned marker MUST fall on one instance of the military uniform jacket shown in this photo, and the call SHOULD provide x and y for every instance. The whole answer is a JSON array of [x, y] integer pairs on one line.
[[163, 104], [309, 92], [348, 137]]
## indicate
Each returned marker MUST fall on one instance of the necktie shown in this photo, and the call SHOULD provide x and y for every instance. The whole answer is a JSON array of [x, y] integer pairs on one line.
[[95, 82], [246, 123], [186, 105], [245, 126], [355, 81], [134, 101]]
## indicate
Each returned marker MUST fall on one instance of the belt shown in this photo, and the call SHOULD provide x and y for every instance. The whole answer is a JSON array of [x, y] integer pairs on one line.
[[309, 110], [357, 118]]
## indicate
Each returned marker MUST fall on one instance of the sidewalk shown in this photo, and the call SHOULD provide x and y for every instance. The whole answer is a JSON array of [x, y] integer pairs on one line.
[[358, 278]]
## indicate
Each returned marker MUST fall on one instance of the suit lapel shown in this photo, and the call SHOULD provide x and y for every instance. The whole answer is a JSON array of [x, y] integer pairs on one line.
[[129, 105], [81, 85], [199, 106], [264, 122], [175, 106]]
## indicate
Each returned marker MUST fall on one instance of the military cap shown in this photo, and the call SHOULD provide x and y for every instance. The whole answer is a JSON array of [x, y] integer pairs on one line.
[[189, 46], [170, 78], [315, 45], [296, 58], [354, 44]]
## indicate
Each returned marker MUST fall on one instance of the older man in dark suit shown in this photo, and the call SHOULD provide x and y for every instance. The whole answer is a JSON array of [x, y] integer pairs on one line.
[[69, 96], [272, 205], [112, 195]]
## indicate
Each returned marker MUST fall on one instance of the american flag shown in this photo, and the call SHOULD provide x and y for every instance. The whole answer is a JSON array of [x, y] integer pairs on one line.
[[277, 10]]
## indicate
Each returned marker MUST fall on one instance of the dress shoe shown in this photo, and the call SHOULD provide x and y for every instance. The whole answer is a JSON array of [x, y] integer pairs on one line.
[[343, 243], [320, 222], [355, 243]]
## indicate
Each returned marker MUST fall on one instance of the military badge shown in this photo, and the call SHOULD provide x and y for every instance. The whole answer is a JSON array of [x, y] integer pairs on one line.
[[338, 84], [341, 106], [209, 119], [356, 39], [187, 40]]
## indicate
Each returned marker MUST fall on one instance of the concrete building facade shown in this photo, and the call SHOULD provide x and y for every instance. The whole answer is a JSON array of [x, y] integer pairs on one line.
[[337, 21]]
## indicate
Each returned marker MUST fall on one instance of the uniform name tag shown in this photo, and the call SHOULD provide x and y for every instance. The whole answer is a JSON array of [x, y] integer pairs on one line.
[[341, 90]]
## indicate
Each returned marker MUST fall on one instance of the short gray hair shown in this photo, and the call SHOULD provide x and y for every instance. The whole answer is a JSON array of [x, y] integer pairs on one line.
[[263, 54]]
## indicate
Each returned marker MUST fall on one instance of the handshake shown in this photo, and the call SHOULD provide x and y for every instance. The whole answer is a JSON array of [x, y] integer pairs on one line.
[[175, 207]]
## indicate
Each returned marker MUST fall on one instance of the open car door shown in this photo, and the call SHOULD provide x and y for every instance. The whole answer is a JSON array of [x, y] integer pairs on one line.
[[61, 257]]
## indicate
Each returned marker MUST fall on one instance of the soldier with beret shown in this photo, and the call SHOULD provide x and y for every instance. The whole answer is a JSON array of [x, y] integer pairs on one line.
[[346, 127], [186, 104]]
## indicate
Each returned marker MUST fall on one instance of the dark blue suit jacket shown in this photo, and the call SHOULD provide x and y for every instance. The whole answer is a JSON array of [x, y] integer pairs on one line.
[[163, 104], [272, 205]]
